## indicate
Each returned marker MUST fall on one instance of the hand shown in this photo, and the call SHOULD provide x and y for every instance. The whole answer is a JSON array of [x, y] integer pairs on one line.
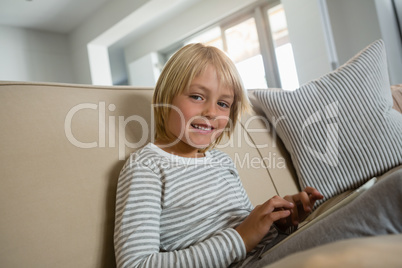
[[259, 222], [304, 203]]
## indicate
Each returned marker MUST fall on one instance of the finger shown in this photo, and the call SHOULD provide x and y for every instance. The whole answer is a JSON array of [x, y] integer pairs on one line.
[[278, 215], [284, 221], [313, 193], [302, 202], [275, 203], [305, 201], [294, 216]]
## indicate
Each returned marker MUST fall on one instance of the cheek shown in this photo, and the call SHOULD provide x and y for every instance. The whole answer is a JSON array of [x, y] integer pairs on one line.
[[223, 123], [177, 121], [225, 120], [173, 123], [183, 110]]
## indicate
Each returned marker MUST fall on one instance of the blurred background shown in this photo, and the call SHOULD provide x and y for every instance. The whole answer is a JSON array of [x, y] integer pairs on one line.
[[127, 42]]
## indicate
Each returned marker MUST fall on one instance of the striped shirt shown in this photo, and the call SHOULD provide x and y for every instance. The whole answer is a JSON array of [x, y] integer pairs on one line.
[[174, 211]]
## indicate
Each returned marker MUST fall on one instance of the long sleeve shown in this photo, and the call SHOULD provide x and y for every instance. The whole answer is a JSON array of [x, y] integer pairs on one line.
[[139, 204]]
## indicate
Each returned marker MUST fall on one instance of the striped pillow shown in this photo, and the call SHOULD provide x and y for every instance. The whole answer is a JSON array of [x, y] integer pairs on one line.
[[340, 129]]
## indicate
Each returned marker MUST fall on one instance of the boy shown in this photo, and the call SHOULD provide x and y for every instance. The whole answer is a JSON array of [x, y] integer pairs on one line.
[[180, 203]]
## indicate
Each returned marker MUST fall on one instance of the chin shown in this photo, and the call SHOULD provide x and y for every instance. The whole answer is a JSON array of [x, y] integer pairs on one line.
[[200, 145]]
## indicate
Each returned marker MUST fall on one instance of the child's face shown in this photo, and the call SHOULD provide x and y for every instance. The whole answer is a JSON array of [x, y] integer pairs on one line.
[[201, 113]]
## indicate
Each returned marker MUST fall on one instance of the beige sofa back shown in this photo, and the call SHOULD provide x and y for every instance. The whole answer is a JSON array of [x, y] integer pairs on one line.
[[62, 147]]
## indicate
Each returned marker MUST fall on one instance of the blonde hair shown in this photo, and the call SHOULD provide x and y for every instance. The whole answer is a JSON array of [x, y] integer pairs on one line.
[[177, 75]]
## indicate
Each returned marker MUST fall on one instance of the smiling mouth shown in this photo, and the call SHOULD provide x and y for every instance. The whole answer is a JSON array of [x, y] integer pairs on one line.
[[202, 127]]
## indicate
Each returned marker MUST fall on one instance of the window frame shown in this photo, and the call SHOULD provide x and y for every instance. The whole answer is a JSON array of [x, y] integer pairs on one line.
[[259, 11]]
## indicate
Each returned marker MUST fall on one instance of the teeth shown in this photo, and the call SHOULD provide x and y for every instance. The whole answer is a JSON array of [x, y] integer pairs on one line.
[[202, 128]]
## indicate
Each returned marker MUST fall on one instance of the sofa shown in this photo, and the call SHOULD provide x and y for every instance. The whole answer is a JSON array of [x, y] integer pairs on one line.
[[63, 146]]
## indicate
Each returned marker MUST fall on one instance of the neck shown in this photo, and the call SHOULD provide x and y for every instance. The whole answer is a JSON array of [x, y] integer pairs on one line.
[[180, 149]]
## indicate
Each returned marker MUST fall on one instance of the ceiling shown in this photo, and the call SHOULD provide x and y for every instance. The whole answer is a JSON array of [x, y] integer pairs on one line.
[[60, 16]]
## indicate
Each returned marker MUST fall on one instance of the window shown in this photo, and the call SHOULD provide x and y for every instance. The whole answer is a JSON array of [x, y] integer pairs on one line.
[[211, 37], [243, 46], [257, 40], [283, 47]]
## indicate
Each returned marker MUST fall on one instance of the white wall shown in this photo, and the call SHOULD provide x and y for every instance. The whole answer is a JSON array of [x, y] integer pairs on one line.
[[391, 36], [118, 68], [354, 25], [144, 72], [398, 6], [105, 18], [39, 56], [29, 55], [195, 18], [306, 34]]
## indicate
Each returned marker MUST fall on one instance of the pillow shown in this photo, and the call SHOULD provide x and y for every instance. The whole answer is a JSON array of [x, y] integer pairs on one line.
[[340, 129]]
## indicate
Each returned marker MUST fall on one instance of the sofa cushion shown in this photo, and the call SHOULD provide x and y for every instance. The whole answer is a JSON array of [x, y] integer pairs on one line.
[[340, 129], [62, 148]]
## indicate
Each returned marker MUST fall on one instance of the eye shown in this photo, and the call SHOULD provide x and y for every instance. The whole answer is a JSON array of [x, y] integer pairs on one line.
[[223, 104], [196, 97]]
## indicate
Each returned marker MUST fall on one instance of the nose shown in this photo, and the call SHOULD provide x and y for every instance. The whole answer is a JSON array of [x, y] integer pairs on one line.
[[210, 111]]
